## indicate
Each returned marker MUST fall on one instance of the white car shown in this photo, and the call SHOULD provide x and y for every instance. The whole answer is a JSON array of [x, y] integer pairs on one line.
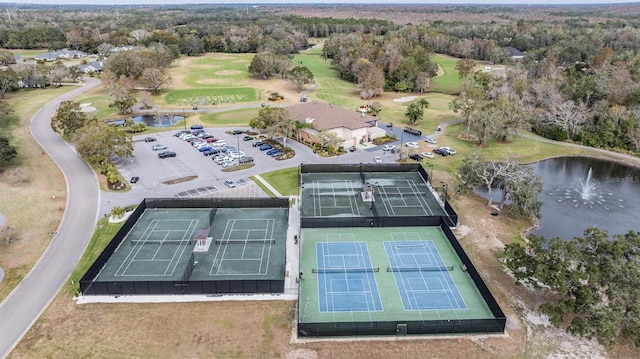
[[219, 143], [412, 144], [159, 147], [235, 154], [378, 159], [229, 164], [388, 147], [199, 145], [430, 140], [427, 154], [449, 150]]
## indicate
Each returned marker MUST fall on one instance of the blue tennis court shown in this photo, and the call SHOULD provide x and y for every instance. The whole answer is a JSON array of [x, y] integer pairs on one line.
[[346, 281], [422, 278]]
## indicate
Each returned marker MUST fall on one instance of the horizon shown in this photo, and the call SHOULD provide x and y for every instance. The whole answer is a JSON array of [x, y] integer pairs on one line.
[[303, 2]]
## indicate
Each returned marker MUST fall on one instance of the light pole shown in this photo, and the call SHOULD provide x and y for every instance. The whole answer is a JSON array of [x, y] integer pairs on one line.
[[401, 144], [184, 119], [431, 174]]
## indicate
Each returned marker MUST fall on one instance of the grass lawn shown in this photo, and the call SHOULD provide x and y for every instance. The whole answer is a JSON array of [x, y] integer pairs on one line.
[[330, 87], [284, 181], [211, 96], [449, 81], [230, 118], [101, 237]]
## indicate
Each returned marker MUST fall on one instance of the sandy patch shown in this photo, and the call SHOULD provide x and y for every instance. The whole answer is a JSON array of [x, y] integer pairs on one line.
[[86, 107], [405, 99], [302, 354], [227, 72], [211, 81]]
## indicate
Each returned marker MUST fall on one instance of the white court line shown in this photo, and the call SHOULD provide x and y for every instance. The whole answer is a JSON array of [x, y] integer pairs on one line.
[[452, 281]]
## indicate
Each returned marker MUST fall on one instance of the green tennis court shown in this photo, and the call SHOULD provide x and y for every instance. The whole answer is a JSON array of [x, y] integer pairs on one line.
[[178, 244], [408, 283], [364, 194]]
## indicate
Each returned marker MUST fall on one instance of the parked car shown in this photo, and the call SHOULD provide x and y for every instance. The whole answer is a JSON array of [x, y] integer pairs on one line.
[[257, 143], [245, 159], [427, 154], [265, 147], [219, 158], [159, 147], [149, 139], [219, 143], [440, 151], [197, 127], [430, 140], [388, 147], [229, 164], [237, 132], [166, 154], [378, 159], [272, 151], [390, 124], [412, 144], [247, 138], [204, 148], [197, 132], [210, 151], [450, 151], [277, 154], [187, 137], [352, 149], [412, 131], [416, 157], [230, 184], [181, 132], [134, 179]]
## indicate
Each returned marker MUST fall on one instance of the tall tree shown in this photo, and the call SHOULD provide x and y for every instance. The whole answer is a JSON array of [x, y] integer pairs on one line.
[[299, 76], [68, 119], [98, 142], [593, 283], [370, 80], [153, 79], [123, 94], [8, 81], [415, 111]]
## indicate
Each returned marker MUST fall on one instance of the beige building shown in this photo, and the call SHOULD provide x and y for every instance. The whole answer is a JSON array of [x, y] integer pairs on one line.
[[351, 126]]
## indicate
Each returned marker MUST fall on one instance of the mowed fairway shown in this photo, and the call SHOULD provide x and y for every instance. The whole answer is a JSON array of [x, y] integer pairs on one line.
[[449, 80]]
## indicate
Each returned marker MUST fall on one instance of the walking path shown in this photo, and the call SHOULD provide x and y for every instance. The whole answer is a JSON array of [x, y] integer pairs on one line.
[[31, 297], [268, 185]]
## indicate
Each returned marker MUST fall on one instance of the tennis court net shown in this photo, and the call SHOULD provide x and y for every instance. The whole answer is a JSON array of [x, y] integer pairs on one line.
[[136, 242], [245, 241], [345, 270], [420, 269]]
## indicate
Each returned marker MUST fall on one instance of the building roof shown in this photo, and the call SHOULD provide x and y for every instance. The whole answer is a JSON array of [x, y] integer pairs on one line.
[[515, 53], [325, 116]]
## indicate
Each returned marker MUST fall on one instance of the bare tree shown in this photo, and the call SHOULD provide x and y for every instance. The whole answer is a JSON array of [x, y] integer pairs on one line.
[[569, 116]]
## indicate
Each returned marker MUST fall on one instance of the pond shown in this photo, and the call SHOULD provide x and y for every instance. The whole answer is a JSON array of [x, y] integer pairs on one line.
[[151, 120], [583, 192]]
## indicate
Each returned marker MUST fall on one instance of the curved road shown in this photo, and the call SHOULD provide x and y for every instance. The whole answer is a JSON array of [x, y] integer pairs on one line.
[[32, 296]]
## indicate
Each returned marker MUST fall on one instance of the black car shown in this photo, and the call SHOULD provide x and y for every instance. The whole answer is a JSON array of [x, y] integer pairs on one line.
[[149, 139], [237, 132], [134, 179], [416, 157], [245, 160], [181, 132], [257, 143], [440, 152], [247, 138], [166, 154], [412, 131]]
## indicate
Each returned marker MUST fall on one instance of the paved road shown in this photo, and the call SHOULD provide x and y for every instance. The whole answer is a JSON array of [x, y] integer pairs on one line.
[[31, 297]]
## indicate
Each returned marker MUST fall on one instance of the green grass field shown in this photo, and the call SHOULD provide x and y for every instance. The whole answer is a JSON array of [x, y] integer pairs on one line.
[[230, 118], [211, 96], [449, 82], [331, 88]]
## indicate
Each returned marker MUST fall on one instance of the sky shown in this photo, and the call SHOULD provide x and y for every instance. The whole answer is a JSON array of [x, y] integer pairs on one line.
[[129, 2]]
